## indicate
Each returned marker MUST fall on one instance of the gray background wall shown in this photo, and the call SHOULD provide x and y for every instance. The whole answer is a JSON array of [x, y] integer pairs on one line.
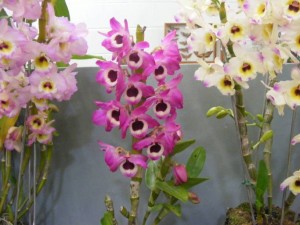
[[79, 178]]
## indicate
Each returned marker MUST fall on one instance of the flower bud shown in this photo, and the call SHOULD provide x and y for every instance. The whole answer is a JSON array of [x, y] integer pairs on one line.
[[193, 198], [180, 174]]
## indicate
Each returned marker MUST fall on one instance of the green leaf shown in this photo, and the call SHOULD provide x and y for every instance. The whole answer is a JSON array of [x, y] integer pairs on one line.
[[261, 185], [61, 9], [150, 175], [83, 57], [260, 117], [156, 207], [176, 209], [193, 182], [182, 145], [196, 162], [107, 219], [3, 13], [214, 110], [176, 191], [266, 136], [62, 65], [222, 13]]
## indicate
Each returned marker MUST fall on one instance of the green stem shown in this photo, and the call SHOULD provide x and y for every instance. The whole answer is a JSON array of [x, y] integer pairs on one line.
[[268, 117], [290, 151], [43, 22], [110, 208], [288, 202], [151, 202], [6, 183], [166, 164], [136, 181], [243, 133], [40, 183]]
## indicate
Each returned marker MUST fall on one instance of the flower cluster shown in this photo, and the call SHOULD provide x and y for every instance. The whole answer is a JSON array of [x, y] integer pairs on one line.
[[29, 76], [146, 112], [261, 36], [256, 37]]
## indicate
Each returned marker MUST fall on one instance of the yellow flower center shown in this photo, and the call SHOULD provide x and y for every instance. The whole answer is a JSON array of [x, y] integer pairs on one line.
[[209, 39], [295, 92], [261, 9], [47, 86], [298, 41], [6, 47], [246, 69], [267, 31], [41, 62], [278, 61], [227, 82], [37, 123]]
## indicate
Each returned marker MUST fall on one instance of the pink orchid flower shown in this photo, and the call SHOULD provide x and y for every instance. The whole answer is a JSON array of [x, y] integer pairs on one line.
[[108, 75], [108, 114], [118, 39], [138, 123]]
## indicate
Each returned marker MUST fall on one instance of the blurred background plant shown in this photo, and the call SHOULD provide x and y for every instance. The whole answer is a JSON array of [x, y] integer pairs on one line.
[[145, 103], [255, 38], [36, 38]]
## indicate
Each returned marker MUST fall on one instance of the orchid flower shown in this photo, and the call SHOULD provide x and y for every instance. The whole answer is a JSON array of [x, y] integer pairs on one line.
[[108, 114], [117, 157], [296, 139], [293, 182], [138, 123], [13, 139], [118, 40], [108, 74]]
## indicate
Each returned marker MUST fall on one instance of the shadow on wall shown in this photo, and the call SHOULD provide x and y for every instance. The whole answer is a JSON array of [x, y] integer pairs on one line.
[[79, 178]]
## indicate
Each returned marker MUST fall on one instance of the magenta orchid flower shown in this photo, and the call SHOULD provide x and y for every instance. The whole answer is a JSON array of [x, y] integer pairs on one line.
[[118, 40], [113, 156], [108, 75], [135, 90], [108, 114], [138, 123], [117, 157], [155, 146], [137, 58], [129, 166]]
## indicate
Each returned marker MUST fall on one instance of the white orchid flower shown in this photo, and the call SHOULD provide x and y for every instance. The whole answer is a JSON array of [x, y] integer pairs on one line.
[[293, 182]]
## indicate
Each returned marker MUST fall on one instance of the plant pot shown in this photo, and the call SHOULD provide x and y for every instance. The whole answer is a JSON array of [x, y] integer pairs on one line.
[[241, 216]]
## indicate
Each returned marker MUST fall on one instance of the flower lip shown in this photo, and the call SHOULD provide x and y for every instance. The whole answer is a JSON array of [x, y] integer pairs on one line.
[[160, 72], [134, 57], [246, 67], [155, 151], [128, 168], [112, 75], [117, 40], [295, 6], [6, 47], [114, 116], [227, 81], [138, 128], [297, 183], [132, 91], [162, 109], [137, 125], [235, 29]]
